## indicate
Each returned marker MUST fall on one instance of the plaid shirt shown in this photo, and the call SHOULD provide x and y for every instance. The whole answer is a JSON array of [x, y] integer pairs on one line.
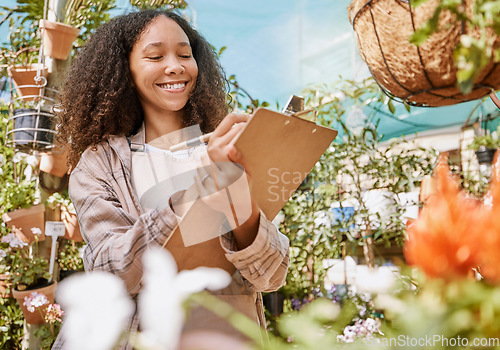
[[118, 230]]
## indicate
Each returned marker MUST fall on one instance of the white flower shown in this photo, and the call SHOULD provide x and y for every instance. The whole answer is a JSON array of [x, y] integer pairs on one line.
[[97, 310], [13, 241], [2, 160], [3, 254], [8, 238], [160, 302], [32, 160], [81, 251], [36, 231], [28, 172], [18, 157], [35, 300]]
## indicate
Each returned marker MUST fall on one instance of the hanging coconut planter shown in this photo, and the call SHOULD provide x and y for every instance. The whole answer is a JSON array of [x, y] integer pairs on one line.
[[58, 39], [423, 75]]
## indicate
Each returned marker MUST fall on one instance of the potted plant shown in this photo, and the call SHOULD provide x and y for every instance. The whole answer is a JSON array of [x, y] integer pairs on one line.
[[19, 197], [70, 259], [485, 147], [32, 123], [430, 53], [29, 272], [54, 162], [60, 201], [58, 38], [28, 75]]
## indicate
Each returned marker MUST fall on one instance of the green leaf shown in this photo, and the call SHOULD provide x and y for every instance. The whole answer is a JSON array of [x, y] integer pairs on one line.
[[391, 107]]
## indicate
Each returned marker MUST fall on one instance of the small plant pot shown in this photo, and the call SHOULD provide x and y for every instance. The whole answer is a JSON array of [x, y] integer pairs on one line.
[[485, 155], [58, 39], [72, 226], [53, 163], [32, 129], [66, 273], [21, 221], [274, 303], [36, 317], [24, 80]]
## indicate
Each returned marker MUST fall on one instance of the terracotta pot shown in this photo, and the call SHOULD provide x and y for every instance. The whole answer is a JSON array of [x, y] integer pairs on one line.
[[58, 39], [24, 76], [21, 221], [72, 226], [53, 163], [37, 316], [5, 286]]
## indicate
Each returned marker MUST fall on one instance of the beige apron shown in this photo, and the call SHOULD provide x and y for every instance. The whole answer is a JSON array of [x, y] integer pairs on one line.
[[151, 169]]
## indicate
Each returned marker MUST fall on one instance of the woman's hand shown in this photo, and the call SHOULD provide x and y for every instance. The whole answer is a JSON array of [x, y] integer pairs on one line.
[[221, 149], [221, 145]]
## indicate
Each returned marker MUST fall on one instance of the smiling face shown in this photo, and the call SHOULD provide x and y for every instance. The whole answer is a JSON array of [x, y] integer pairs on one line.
[[163, 70]]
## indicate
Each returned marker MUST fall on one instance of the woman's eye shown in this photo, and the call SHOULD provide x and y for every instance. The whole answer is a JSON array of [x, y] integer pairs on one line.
[[154, 58], [185, 56]]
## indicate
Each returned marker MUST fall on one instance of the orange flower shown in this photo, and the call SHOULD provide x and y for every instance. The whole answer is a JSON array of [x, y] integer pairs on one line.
[[442, 241]]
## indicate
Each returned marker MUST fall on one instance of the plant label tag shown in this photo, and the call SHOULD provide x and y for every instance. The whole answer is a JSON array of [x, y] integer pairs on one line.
[[55, 228]]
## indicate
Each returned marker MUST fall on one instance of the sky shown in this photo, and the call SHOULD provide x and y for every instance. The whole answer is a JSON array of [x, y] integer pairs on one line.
[[274, 48]]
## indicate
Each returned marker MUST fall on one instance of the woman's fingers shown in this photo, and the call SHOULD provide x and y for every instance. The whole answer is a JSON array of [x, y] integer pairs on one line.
[[218, 145], [228, 122]]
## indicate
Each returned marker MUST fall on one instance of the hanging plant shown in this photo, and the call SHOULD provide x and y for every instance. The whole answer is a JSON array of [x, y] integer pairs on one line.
[[430, 52]]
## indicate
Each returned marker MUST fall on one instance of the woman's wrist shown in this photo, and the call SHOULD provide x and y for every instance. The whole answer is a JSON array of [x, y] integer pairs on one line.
[[245, 234]]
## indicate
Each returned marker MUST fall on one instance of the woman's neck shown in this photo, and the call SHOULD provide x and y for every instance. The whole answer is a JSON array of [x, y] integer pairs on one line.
[[159, 125]]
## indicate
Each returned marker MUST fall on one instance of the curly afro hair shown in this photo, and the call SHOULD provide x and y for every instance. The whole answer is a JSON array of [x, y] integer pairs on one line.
[[99, 101]]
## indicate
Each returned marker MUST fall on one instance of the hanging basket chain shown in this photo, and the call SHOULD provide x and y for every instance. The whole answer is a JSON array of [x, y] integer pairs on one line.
[[39, 78]]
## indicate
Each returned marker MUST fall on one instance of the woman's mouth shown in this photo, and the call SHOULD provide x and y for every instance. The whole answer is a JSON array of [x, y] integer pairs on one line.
[[173, 86]]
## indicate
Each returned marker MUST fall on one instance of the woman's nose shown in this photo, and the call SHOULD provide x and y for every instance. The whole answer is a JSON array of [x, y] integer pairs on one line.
[[174, 66]]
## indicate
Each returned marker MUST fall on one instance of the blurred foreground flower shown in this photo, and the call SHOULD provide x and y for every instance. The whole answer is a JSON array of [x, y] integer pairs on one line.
[[160, 303], [445, 240], [97, 310], [98, 307]]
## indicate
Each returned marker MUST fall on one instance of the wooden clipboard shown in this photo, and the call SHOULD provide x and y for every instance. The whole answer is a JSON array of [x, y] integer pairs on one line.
[[281, 150]]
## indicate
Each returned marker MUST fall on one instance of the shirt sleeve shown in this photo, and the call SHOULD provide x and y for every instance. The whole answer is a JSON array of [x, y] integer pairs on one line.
[[264, 263], [115, 239]]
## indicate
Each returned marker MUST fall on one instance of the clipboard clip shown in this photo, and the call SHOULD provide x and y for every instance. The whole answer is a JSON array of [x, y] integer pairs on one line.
[[295, 108], [308, 114]]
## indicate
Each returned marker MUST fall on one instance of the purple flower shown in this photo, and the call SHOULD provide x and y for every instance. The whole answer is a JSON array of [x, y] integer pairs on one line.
[[296, 305]]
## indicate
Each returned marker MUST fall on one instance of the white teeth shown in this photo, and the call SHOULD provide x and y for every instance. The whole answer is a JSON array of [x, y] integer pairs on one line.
[[172, 86]]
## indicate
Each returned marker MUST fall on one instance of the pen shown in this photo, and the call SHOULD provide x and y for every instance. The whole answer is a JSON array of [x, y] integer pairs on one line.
[[204, 138], [191, 142]]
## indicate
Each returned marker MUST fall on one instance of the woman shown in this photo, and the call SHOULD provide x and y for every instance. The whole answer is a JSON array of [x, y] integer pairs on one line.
[[142, 76]]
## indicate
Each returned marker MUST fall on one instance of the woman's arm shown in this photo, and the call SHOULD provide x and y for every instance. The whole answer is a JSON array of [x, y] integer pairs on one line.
[[116, 239], [264, 263], [255, 248]]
